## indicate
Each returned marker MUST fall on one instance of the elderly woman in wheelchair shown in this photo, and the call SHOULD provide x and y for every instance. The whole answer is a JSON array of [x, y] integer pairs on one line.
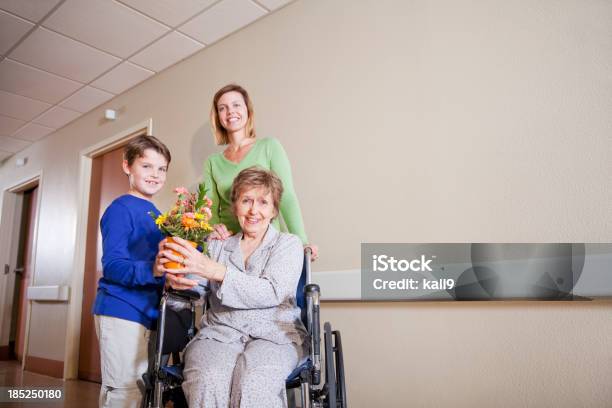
[[252, 336]]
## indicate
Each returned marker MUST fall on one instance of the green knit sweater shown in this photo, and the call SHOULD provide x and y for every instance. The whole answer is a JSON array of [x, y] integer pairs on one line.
[[219, 173]]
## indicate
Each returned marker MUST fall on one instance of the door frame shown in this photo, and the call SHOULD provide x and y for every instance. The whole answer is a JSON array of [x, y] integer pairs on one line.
[[73, 327], [12, 209]]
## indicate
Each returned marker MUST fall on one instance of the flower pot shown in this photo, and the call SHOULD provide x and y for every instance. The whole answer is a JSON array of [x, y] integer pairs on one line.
[[177, 265]]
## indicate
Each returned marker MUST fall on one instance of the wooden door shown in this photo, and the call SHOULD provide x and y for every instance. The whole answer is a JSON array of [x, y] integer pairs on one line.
[[107, 183], [24, 269]]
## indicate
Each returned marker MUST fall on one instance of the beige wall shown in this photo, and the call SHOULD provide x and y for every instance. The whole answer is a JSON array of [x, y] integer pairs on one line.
[[470, 354], [407, 121]]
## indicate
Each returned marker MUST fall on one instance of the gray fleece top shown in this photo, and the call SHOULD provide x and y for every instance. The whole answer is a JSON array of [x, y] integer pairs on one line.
[[258, 299]]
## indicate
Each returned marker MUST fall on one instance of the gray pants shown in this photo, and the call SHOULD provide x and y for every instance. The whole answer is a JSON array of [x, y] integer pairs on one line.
[[245, 374]]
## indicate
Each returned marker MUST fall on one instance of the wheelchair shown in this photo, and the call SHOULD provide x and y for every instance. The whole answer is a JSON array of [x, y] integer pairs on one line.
[[319, 386]]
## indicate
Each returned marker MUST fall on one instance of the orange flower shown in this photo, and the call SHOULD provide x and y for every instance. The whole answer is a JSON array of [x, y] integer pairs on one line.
[[188, 222]]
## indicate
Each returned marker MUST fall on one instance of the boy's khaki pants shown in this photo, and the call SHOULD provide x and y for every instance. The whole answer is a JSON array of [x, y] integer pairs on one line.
[[123, 360]]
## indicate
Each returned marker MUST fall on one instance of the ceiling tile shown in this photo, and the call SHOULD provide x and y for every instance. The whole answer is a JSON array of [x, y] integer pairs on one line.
[[11, 30], [34, 83], [86, 98], [222, 19], [32, 132], [4, 155], [166, 51], [107, 25], [20, 107], [273, 4], [63, 56], [9, 144], [8, 126], [33, 10], [56, 117], [170, 12], [122, 78]]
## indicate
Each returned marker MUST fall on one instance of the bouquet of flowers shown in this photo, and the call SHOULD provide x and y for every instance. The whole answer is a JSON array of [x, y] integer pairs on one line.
[[188, 219]]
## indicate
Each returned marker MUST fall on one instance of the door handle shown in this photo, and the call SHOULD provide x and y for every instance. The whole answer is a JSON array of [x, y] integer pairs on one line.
[[19, 271]]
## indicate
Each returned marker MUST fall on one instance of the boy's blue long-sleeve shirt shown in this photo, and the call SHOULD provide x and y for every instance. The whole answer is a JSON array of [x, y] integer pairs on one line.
[[130, 238]]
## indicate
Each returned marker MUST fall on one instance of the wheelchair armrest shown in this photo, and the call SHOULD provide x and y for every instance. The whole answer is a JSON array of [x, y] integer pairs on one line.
[[188, 295]]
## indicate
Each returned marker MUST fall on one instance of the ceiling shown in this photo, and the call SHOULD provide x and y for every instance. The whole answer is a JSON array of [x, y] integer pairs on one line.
[[61, 58]]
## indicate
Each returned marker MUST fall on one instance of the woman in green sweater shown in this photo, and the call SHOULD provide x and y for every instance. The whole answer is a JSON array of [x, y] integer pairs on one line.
[[232, 122]]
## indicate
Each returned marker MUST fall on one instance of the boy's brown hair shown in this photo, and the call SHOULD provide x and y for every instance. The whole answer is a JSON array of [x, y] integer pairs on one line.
[[136, 147]]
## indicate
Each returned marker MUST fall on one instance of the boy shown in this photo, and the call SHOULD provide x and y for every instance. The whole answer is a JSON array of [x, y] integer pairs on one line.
[[129, 291]]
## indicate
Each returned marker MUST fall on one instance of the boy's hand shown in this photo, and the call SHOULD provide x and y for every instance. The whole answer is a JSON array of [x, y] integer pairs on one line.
[[158, 271], [157, 268]]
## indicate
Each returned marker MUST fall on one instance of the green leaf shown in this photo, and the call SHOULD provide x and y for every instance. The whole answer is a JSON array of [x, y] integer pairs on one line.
[[201, 194]]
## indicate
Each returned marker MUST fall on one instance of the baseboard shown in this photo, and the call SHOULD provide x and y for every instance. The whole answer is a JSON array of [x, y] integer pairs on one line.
[[90, 376], [52, 368]]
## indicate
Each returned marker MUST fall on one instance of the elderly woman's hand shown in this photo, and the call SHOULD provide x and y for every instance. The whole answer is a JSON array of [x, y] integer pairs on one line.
[[193, 261], [220, 232], [175, 281], [179, 282]]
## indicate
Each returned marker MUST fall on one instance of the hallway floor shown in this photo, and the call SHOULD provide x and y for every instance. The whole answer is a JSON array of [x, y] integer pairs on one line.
[[76, 393]]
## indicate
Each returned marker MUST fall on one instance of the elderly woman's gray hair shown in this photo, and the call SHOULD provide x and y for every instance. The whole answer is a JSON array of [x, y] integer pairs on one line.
[[253, 177]]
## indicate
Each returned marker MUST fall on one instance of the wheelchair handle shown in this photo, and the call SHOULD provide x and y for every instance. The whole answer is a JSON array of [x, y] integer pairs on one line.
[[307, 261]]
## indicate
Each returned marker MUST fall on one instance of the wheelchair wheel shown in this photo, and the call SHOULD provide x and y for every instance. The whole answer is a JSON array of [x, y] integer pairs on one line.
[[339, 358], [330, 372], [177, 397], [145, 388], [146, 400]]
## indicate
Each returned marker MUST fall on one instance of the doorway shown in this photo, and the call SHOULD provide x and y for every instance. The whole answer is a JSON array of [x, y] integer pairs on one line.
[[82, 355], [107, 183], [18, 237], [23, 274]]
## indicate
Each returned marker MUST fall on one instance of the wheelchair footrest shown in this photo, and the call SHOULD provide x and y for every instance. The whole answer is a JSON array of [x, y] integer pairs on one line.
[[174, 371], [304, 363]]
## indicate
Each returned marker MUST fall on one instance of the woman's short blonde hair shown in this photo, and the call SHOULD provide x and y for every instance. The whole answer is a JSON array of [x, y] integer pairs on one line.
[[219, 132], [255, 176]]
